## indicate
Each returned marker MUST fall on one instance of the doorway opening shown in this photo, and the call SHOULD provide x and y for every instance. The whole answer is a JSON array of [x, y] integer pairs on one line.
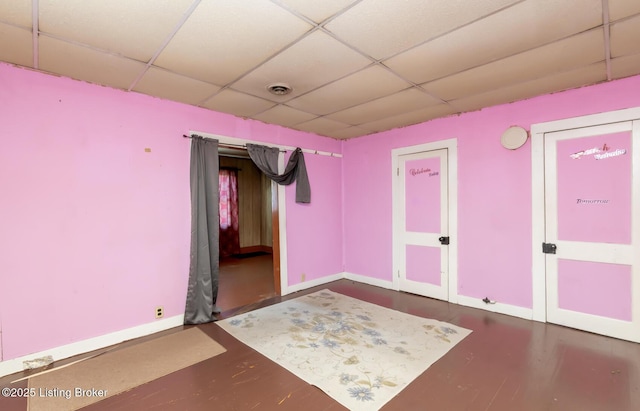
[[249, 269]]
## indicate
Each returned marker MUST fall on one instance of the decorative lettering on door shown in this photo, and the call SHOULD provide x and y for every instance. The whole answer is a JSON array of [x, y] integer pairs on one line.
[[599, 153], [590, 201], [416, 171]]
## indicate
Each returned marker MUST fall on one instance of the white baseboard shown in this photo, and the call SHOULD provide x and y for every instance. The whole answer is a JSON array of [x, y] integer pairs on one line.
[[513, 310], [368, 280], [312, 283], [16, 364], [335, 277]]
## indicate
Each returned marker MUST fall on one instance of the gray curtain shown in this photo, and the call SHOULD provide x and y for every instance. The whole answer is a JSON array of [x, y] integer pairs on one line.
[[202, 291], [266, 158]]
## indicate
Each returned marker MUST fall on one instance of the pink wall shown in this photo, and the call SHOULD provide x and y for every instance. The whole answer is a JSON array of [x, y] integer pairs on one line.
[[325, 177], [94, 230], [494, 189]]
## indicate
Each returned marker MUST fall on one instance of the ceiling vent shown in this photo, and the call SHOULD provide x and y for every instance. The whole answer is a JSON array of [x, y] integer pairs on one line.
[[279, 89]]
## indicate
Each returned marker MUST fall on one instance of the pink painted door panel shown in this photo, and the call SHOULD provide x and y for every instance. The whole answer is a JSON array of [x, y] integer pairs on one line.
[[423, 264], [594, 188], [422, 188], [595, 288]]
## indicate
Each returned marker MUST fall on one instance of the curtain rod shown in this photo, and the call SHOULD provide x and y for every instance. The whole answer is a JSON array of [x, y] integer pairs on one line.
[[226, 145], [283, 149]]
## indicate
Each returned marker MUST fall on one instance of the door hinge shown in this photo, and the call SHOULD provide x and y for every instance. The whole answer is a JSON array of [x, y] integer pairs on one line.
[[398, 171], [549, 248], [444, 240]]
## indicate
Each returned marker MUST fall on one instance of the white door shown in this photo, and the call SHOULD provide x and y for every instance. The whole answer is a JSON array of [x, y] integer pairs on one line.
[[423, 234], [591, 249]]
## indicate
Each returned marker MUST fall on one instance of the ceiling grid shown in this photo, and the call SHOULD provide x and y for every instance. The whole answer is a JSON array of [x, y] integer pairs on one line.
[[354, 67]]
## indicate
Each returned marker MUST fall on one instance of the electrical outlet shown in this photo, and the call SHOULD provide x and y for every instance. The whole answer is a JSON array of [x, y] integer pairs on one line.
[[159, 312], [303, 277]]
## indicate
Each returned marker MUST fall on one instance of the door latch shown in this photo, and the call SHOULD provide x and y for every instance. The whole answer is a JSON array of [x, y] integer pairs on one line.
[[549, 248], [443, 240]]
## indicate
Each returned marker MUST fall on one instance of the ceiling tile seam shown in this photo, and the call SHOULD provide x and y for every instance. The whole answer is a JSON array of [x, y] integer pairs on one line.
[[35, 22], [17, 26], [453, 29], [202, 103], [87, 46], [415, 85], [323, 22], [167, 40], [451, 103], [455, 113], [174, 73], [349, 45], [328, 19], [607, 37], [625, 18], [295, 13], [340, 13], [351, 73], [598, 27], [284, 102], [521, 83], [262, 63], [366, 102], [284, 105]]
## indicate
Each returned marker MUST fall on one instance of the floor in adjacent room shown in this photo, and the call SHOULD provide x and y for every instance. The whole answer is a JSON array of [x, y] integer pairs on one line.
[[505, 364], [244, 281]]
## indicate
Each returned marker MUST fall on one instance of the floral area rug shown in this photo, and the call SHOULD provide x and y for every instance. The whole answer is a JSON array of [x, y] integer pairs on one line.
[[360, 354]]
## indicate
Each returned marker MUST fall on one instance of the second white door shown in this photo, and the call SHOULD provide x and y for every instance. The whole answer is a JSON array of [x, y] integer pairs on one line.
[[422, 205]]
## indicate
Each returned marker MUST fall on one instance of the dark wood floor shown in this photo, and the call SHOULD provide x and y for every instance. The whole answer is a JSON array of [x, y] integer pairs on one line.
[[245, 281], [505, 364]]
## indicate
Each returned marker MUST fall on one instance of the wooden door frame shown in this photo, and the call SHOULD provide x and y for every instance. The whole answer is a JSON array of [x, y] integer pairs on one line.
[[452, 160], [275, 235], [538, 131]]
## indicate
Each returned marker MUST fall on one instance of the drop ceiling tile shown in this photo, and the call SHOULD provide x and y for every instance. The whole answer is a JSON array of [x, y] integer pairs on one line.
[[283, 115], [625, 37], [83, 63], [396, 27], [303, 66], [349, 132], [563, 55], [625, 66], [134, 29], [518, 28], [236, 103], [402, 102], [412, 117], [16, 12], [164, 84], [619, 9], [321, 125], [358, 88], [318, 11], [16, 46], [225, 38], [582, 76]]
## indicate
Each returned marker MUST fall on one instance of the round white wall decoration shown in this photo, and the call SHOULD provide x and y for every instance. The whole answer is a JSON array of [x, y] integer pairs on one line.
[[514, 137]]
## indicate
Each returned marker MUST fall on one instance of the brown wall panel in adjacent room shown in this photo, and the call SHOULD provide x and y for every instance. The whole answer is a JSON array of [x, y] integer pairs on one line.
[[266, 238]]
